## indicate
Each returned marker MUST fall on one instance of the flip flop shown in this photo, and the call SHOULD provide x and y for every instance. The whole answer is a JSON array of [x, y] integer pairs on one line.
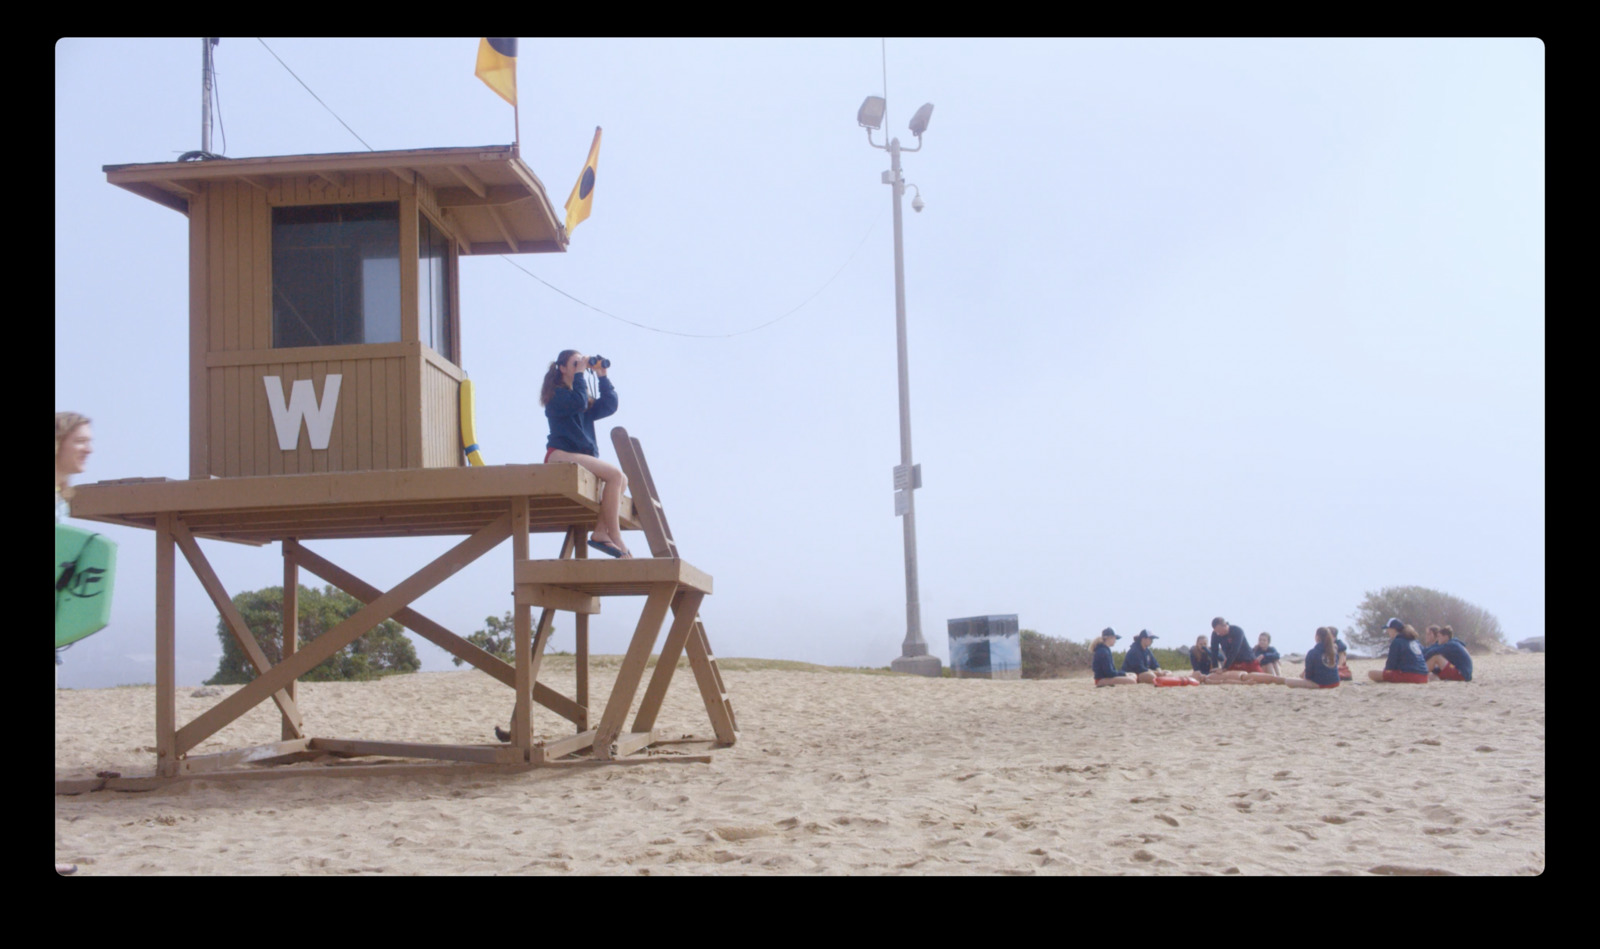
[[606, 547]]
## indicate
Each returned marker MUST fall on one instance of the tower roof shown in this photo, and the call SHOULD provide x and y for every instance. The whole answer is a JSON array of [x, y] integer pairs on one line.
[[497, 204]]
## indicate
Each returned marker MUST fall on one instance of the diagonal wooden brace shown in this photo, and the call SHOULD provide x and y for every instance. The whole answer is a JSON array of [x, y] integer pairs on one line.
[[235, 621], [633, 663], [342, 635]]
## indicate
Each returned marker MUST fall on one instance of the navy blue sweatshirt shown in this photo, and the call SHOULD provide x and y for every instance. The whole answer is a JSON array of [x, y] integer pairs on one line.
[[1265, 654], [1232, 648], [1139, 659], [1104, 666], [1452, 650], [1405, 655], [572, 418], [1200, 659], [1319, 671]]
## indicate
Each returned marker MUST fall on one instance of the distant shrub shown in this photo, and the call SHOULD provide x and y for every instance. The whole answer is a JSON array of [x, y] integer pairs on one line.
[[1045, 657]]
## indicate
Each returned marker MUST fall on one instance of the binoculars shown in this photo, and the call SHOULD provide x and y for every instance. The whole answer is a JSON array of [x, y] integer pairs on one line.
[[600, 361]]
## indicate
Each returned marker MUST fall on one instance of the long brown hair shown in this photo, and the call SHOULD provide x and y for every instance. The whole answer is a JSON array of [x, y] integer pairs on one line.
[[66, 423], [1409, 632], [552, 377], [1330, 653]]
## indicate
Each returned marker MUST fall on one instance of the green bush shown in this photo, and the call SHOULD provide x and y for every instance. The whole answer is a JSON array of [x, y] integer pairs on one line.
[[379, 652], [1045, 657]]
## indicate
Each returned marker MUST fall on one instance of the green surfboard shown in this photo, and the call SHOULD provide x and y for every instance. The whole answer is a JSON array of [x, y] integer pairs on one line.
[[86, 564]]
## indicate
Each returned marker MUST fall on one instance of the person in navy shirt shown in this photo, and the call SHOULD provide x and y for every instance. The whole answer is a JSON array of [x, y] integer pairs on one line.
[[1322, 663], [1405, 662], [1200, 657], [572, 414], [1239, 665], [1105, 667], [1447, 658], [1266, 655], [1140, 661]]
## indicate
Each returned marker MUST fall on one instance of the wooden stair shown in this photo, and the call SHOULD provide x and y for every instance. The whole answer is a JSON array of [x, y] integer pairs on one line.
[[653, 520]]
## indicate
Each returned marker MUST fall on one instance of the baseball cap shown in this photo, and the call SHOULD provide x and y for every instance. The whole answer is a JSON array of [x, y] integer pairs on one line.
[[1394, 623], [1146, 633], [1108, 631]]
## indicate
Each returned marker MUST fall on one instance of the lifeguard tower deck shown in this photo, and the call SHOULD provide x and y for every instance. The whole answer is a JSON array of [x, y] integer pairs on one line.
[[338, 275]]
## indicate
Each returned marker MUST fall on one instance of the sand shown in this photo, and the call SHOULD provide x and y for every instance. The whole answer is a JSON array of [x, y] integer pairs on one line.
[[840, 773]]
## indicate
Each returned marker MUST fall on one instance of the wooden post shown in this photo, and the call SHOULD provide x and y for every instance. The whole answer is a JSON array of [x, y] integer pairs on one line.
[[685, 606], [166, 650], [633, 663], [291, 627], [581, 650], [522, 711]]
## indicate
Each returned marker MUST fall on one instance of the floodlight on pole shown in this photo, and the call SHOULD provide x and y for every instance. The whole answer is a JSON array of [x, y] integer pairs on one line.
[[914, 656]]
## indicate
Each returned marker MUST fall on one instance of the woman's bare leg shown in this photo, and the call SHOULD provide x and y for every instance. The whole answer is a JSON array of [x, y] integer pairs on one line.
[[612, 483]]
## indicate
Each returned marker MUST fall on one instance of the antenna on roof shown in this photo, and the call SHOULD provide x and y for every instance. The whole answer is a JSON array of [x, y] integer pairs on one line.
[[206, 85]]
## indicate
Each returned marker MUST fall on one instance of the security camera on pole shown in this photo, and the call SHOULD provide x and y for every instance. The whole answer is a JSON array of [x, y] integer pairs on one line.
[[914, 656]]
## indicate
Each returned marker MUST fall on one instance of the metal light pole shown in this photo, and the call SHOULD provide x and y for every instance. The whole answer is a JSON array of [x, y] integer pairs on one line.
[[914, 656]]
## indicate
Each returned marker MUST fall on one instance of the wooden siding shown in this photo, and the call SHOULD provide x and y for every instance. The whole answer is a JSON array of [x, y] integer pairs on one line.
[[368, 430], [398, 402], [441, 412]]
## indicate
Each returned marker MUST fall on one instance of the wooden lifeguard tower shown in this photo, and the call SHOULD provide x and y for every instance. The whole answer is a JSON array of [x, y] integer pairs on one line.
[[324, 377]]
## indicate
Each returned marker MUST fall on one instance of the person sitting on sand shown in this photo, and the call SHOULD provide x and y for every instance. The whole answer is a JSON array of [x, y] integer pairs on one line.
[[1405, 662], [1239, 665], [1447, 659], [1200, 657], [1266, 655], [1105, 668], [1141, 662], [1322, 663]]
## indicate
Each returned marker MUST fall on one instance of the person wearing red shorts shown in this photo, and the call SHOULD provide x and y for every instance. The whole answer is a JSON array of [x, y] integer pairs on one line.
[[1447, 658], [1405, 662], [1239, 665]]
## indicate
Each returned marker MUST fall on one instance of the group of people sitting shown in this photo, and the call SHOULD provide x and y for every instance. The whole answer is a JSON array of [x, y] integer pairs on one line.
[[1229, 659]]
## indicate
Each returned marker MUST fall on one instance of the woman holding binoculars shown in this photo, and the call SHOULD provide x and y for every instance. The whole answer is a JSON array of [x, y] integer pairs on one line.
[[572, 415]]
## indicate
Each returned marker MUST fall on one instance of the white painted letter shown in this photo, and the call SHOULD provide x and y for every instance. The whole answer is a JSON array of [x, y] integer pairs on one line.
[[303, 405]]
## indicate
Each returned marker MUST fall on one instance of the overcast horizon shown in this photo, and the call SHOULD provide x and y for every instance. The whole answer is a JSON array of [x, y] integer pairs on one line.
[[1195, 327]]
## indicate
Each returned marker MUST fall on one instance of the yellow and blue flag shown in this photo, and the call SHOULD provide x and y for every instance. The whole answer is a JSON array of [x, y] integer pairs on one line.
[[583, 192], [497, 65]]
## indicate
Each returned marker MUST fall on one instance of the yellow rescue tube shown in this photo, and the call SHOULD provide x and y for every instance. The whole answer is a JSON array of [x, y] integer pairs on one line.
[[469, 434]]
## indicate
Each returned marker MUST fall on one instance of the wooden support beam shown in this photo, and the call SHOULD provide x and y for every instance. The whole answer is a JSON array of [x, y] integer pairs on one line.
[[685, 606], [556, 598], [500, 224], [434, 633], [201, 764], [560, 704], [630, 742], [566, 746], [712, 691], [166, 650], [522, 634], [346, 632], [631, 577], [234, 621], [472, 181], [581, 652], [633, 663], [291, 630], [482, 754]]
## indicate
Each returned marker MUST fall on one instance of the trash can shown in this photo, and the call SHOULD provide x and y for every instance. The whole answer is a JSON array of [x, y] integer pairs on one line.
[[985, 647]]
